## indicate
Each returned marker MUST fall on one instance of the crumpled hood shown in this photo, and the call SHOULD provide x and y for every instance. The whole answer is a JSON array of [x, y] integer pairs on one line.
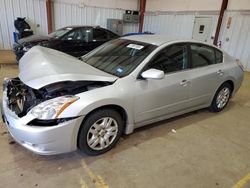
[[33, 39], [41, 66]]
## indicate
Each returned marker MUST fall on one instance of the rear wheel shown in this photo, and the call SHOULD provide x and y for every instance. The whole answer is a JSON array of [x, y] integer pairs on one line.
[[221, 98], [100, 132]]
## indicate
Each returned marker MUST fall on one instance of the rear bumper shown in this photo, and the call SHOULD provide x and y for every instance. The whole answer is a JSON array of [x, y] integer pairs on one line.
[[61, 138], [239, 75]]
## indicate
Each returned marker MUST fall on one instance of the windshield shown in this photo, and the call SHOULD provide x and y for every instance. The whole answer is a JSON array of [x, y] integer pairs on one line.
[[119, 57], [60, 32]]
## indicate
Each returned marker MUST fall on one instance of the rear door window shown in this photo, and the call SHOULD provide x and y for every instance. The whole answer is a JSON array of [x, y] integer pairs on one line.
[[100, 35], [202, 55]]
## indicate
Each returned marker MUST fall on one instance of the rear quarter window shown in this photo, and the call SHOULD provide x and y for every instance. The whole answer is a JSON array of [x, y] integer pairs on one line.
[[219, 56]]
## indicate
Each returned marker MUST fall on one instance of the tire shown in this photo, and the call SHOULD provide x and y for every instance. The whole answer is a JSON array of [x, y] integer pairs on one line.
[[216, 106], [100, 132]]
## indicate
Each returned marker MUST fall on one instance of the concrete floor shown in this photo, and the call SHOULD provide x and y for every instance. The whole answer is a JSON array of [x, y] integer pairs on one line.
[[207, 150]]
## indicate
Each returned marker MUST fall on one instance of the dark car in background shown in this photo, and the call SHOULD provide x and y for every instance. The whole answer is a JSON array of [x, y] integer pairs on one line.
[[73, 40]]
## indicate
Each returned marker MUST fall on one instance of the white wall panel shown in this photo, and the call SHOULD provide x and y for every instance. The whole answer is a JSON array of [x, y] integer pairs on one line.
[[73, 14], [236, 39], [175, 25], [4, 40], [33, 10], [238, 5], [183, 5], [120, 4]]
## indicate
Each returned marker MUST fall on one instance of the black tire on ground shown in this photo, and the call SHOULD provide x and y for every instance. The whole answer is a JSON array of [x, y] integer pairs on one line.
[[214, 106], [91, 120]]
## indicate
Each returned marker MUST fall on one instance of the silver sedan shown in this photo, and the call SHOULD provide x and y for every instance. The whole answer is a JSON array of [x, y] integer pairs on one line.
[[59, 103]]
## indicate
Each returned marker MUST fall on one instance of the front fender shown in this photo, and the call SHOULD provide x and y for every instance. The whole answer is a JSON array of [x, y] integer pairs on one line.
[[98, 98]]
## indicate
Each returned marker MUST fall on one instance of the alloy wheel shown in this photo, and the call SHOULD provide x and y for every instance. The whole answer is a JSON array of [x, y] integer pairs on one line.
[[223, 97], [102, 133]]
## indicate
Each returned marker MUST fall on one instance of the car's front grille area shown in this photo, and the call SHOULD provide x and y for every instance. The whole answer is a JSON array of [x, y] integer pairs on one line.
[[20, 98]]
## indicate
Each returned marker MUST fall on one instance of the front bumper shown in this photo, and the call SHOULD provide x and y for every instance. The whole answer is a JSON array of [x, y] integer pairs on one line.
[[61, 138]]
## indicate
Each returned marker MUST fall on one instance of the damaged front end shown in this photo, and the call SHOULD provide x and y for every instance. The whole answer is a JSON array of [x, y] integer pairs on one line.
[[21, 98]]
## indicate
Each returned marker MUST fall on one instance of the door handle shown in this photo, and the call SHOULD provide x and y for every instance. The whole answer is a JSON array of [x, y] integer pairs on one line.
[[220, 72], [184, 82]]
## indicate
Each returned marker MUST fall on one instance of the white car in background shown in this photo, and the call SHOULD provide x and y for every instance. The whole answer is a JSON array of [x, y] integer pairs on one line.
[[59, 103]]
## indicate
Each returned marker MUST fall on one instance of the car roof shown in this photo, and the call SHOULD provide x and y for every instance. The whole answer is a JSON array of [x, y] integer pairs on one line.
[[81, 26], [159, 40]]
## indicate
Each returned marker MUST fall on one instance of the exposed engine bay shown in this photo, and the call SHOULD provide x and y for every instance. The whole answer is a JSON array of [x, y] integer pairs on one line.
[[22, 98]]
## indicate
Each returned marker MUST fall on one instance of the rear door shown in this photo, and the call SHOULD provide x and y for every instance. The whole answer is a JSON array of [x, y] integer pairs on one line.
[[206, 73]]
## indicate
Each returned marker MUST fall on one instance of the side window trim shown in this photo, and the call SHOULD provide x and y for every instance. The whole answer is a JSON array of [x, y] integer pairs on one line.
[[189, 55], [86, 36], [91, 35], [221, 53]]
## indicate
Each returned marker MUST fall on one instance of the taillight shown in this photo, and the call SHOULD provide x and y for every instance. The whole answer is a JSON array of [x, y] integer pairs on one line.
[[239, 64]]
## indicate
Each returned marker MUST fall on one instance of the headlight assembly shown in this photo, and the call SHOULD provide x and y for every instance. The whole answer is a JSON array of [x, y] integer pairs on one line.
[[52, 108]]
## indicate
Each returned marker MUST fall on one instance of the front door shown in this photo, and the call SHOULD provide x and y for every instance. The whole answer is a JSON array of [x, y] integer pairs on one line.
[[156, 98], [202, 28]]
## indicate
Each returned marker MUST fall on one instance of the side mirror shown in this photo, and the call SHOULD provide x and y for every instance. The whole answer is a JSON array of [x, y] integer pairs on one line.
[[153, 74]]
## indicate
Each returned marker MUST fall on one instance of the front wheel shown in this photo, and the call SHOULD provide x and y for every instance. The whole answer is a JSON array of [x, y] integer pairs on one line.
[[221, 98], [100, 132]]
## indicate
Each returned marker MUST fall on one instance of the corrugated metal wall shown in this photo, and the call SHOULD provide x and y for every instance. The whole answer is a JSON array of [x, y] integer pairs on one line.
[[33, 10], [175, 24], [74, 14], [236, 39]]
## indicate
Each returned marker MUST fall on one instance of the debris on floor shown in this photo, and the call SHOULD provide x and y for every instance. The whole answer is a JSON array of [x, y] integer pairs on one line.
[[173, 131], [12, 142], [3, 133]]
